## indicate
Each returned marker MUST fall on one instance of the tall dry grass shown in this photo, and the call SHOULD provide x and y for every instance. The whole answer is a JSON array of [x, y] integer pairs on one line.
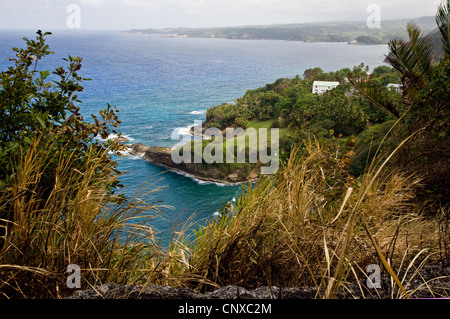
[[77, 222], [310, 225]]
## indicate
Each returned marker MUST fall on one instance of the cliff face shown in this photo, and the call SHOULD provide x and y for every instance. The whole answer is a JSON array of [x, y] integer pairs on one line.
[[162, 156]]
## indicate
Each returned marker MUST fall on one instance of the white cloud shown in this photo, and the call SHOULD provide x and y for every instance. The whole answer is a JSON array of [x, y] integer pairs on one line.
[[93, 3], [126, 14]]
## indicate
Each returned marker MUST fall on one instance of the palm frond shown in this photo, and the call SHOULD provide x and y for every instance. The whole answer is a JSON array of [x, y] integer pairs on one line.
[[443, 25], [377, 96], [413, 58], [422, 49]]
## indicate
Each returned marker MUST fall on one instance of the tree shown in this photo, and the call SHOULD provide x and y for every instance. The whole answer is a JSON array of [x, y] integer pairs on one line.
[[423, 109], [312, 74], [32, 106]]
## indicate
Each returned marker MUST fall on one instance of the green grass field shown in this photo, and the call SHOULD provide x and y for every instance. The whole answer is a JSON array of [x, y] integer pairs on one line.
[[268, 124]]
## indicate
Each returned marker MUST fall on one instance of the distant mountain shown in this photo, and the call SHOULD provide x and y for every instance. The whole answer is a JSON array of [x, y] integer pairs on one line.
[[307, 32], [435, 37]]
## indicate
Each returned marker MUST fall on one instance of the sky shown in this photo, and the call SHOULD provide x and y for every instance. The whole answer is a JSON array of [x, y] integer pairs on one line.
[[131, 14]]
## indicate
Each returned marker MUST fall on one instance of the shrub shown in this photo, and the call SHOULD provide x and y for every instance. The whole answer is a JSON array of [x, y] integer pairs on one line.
[[31, 106], [241, 122]]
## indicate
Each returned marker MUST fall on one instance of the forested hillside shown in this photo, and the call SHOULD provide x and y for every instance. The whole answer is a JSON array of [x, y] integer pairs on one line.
[[308, 32]]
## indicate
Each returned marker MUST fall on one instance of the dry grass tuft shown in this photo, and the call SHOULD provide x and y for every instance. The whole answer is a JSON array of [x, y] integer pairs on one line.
[[311, 225], [77, 222]]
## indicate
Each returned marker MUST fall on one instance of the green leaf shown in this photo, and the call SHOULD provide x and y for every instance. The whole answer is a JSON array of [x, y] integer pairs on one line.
[[44, 74], [41, 121]]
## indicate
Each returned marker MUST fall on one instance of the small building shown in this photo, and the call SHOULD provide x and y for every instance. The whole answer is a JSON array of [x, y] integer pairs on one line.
[[320, 87], [395, 86]]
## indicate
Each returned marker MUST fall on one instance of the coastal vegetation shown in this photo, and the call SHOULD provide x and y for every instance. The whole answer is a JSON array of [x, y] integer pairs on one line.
[[291, 106], [363, 180]]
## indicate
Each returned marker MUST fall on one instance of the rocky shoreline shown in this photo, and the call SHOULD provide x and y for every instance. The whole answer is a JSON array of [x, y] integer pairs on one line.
[[161, 156]]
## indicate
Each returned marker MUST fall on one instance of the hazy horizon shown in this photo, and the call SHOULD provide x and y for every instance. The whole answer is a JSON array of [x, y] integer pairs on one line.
[[122, 15]]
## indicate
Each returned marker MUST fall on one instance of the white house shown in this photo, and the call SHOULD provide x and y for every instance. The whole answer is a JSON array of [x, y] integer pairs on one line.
[[319, 87], [395, 86]]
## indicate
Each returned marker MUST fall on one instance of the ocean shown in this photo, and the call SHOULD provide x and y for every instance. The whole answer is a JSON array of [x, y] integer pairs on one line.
[[165, 84]]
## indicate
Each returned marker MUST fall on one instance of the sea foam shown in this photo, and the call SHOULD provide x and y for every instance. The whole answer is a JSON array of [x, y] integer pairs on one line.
[[198, 112]]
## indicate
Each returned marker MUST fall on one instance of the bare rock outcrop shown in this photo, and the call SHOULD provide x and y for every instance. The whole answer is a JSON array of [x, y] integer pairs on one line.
[[210, 173], [111, 291]]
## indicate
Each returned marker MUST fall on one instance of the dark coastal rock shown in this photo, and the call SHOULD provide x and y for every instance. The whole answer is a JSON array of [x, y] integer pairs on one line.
[[111, 291], [436, 277], [137, 149], [162, 156], [194, 131]]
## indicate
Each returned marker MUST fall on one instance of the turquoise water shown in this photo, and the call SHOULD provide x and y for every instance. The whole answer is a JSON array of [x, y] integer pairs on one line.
[[161, 85]]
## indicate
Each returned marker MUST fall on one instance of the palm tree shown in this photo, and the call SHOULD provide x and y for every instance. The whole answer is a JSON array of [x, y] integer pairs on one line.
[[414, 60], [442, 22], [424, 106]]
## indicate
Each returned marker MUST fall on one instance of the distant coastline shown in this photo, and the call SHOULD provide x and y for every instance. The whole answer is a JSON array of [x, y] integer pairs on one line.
[[355, 32]]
